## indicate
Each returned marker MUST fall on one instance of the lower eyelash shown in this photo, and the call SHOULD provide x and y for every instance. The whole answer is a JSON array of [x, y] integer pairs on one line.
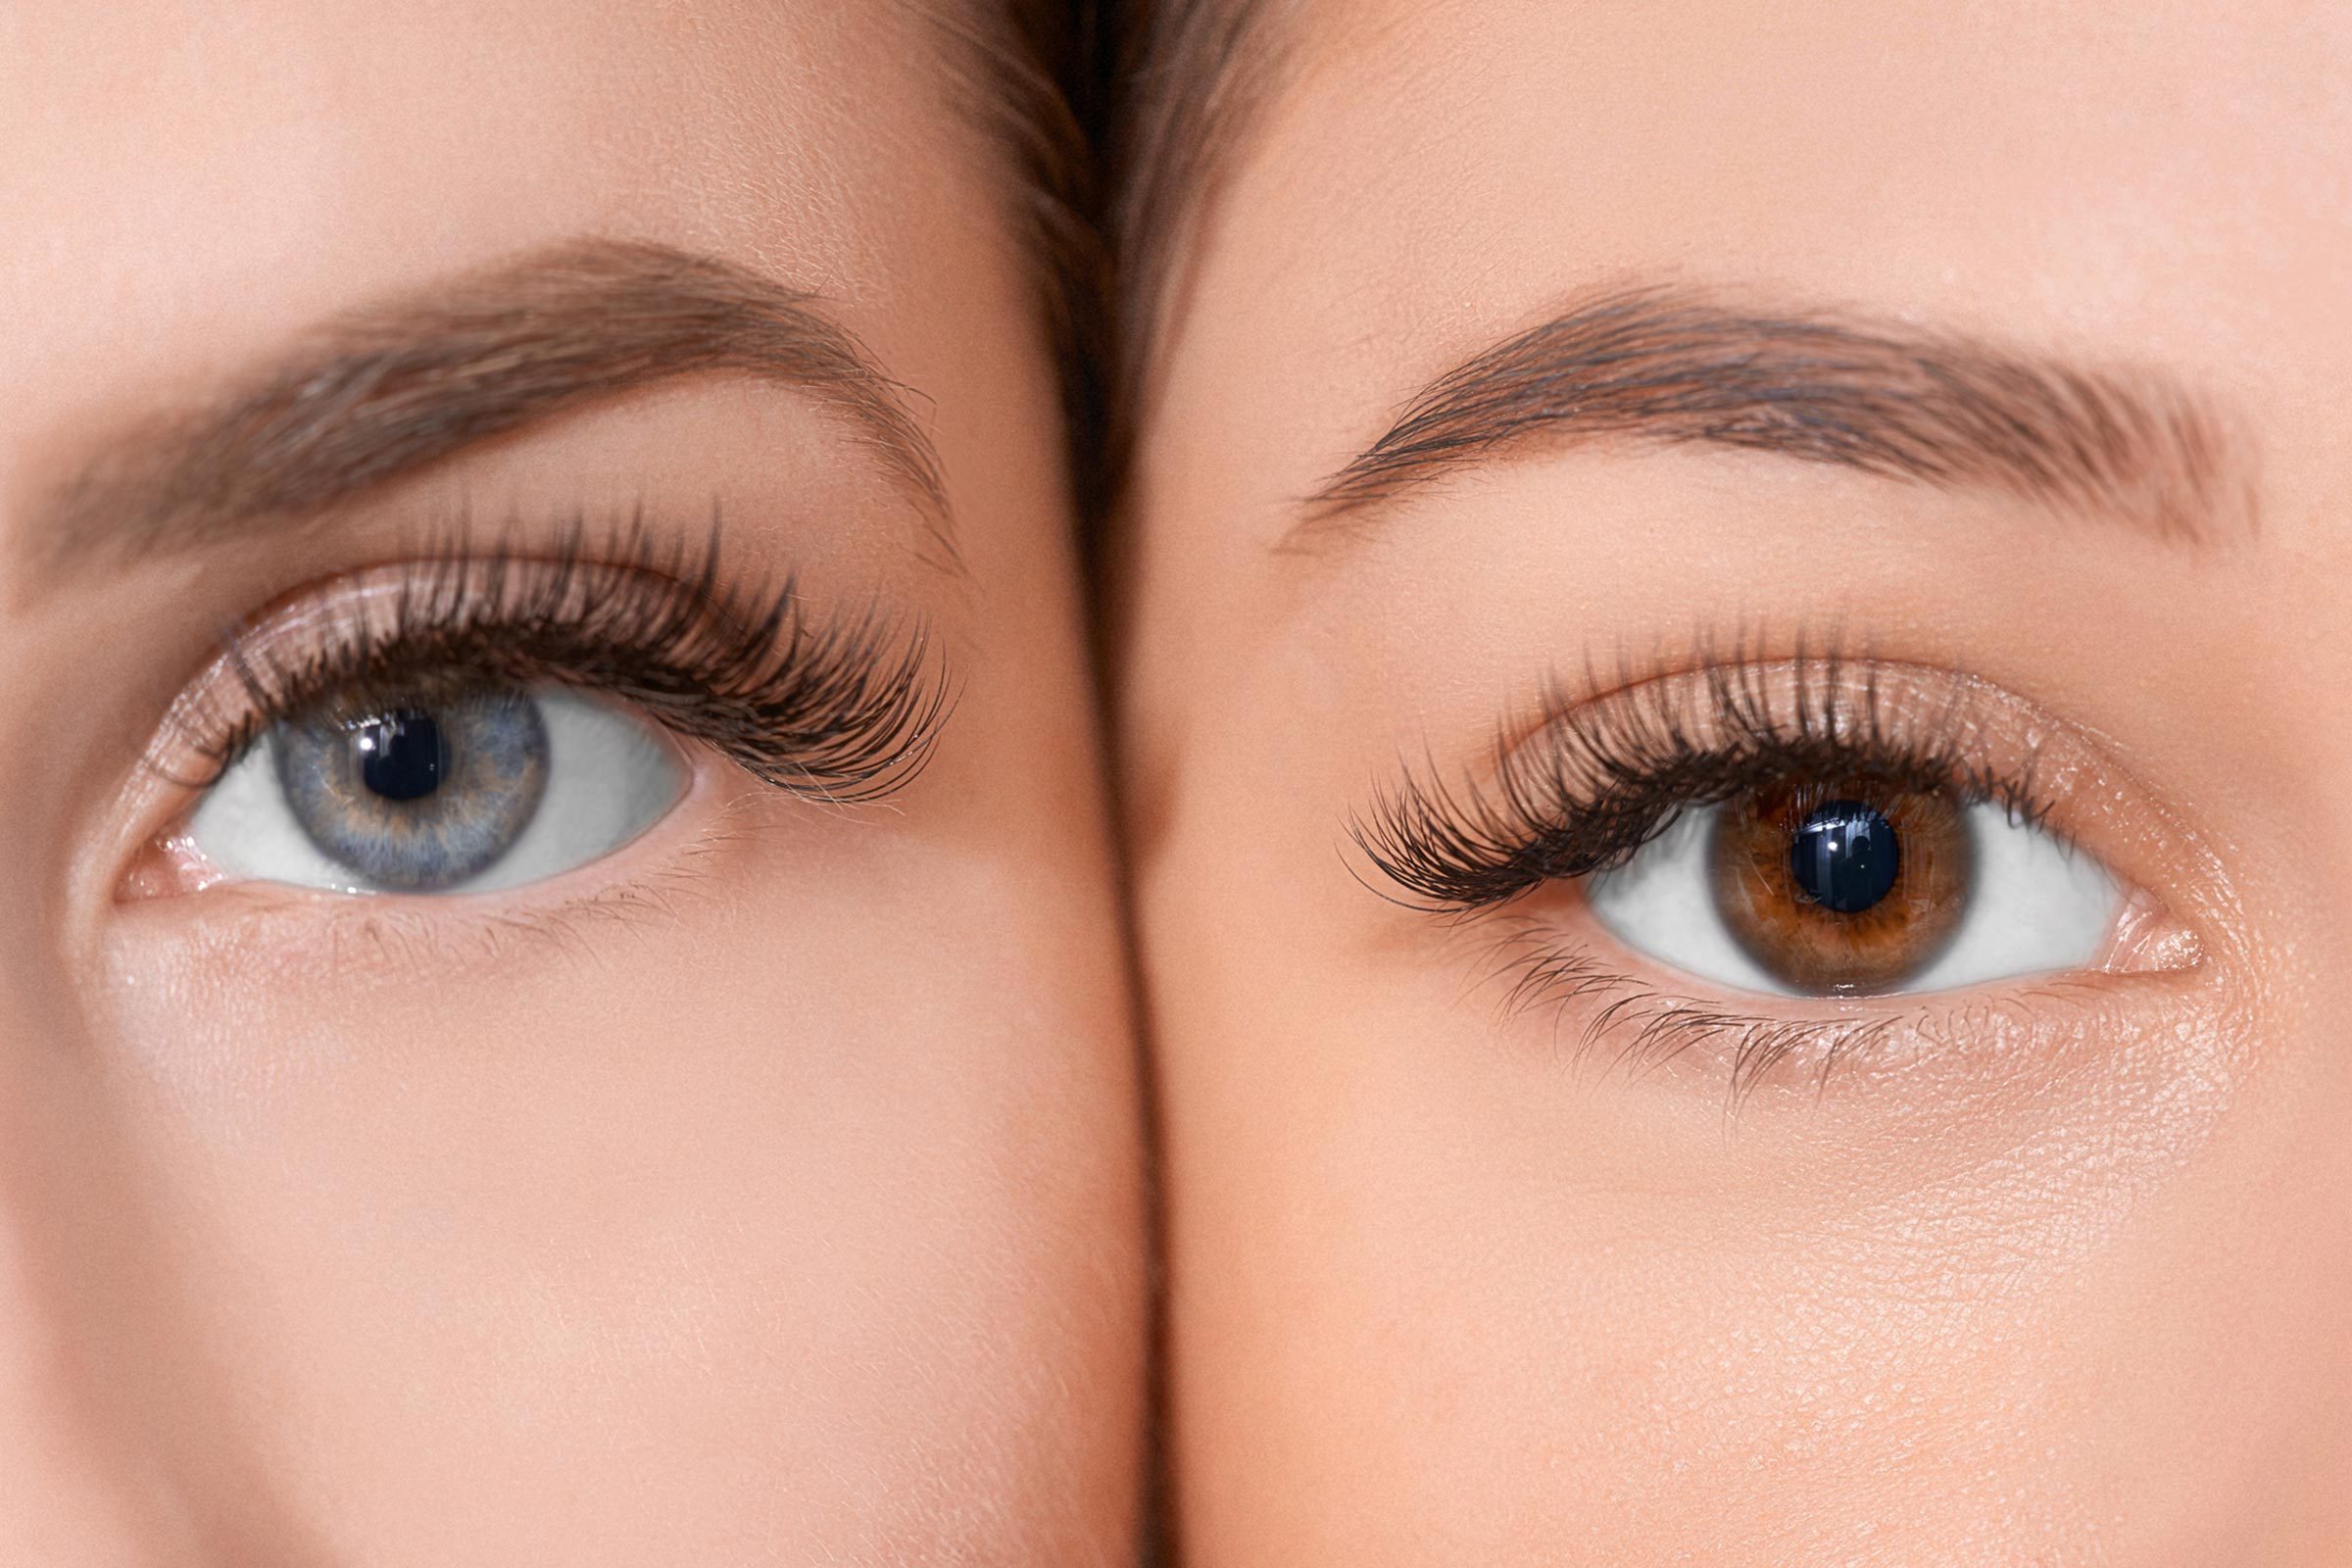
[[841, 711], [1640, 1029]]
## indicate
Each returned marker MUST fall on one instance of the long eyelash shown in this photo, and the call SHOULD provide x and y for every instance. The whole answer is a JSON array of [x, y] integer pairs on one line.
[[842, 711], [1613, 772]]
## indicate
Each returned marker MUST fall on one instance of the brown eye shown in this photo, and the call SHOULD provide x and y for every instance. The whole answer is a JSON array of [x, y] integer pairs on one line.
[[1841, 887]]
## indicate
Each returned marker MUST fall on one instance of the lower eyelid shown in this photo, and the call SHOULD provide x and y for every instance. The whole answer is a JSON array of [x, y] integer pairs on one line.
[[347, 944], [1593, 1011], [1552, 977]]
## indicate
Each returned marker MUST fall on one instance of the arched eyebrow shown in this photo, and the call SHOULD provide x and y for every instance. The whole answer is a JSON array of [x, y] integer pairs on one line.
[[384, 391], [1674, 366]]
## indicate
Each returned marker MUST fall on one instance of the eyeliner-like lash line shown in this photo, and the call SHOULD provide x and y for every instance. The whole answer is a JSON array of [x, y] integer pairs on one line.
[[844, 710]]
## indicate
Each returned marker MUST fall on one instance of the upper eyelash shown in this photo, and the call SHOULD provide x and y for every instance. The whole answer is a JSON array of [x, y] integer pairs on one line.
[[842, 711], [1611, 772]]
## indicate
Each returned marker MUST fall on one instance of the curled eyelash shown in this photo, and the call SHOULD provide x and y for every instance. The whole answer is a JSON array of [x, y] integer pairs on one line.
[[1602, 777], [842, 711]]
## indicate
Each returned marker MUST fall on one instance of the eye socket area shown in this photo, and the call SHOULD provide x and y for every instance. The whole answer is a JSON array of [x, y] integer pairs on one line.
[[1959, 834], [411, 728], [457, 790]]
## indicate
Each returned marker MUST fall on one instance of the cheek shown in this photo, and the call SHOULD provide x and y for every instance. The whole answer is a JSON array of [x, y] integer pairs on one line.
[[1605, 1313], [707, 1212]]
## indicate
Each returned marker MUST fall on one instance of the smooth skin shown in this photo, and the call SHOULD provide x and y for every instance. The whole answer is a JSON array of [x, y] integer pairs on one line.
[[766, 1191], [2060, 1278]]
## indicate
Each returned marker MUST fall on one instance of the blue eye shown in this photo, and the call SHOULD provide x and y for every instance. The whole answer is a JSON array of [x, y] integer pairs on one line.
[[483, 791], [417, 799]]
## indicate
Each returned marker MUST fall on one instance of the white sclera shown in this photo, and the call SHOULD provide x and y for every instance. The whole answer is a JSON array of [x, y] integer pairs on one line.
[[610, 777], [2036, 905]]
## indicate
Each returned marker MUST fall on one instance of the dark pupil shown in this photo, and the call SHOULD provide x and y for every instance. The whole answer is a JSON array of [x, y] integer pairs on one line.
[[1845, 856], [402, 756]]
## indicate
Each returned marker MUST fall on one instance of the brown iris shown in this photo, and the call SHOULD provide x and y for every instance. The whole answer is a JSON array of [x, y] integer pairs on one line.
[[1848, 884]]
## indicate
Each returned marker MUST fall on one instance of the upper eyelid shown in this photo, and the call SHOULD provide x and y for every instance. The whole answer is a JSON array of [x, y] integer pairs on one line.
[[1435, 826], [1820, 696], [844, 707]]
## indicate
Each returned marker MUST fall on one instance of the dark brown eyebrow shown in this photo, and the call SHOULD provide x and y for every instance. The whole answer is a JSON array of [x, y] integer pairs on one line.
[[1675, 366], [385, 390]]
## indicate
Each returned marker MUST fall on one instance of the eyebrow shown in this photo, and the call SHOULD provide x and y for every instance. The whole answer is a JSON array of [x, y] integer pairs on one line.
[[386, 390], [1673, 367]]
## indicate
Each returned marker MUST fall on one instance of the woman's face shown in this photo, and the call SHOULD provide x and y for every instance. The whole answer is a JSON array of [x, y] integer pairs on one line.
[[1733, 711], [524, 1057]]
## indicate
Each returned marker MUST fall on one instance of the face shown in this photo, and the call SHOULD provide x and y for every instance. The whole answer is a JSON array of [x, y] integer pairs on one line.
[[557, 995], [1730, 694]]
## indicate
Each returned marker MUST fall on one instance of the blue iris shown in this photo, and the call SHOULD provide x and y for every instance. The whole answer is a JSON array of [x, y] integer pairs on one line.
[[419, 797]]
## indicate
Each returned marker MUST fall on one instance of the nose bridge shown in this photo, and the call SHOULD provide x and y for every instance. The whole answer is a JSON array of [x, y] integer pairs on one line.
[[71, 1482]]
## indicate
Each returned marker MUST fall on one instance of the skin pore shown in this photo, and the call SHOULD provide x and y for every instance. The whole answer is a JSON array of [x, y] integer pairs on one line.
[[762, 1187], [1973, 379]]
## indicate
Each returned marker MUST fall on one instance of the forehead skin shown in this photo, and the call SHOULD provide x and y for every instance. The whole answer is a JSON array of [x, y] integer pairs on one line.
[[1435, 176], [322, 156], [1425, 1279]]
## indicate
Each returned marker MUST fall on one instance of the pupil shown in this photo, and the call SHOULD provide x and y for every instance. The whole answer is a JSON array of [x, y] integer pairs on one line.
[[402, 756], [1845, 856]]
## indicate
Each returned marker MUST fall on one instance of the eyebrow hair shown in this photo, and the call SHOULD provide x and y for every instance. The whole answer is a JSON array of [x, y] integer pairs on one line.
[[385, 390], [1671, 366]]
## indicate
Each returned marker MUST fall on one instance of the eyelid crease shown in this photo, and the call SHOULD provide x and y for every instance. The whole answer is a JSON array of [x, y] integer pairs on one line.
[[842, 711]]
